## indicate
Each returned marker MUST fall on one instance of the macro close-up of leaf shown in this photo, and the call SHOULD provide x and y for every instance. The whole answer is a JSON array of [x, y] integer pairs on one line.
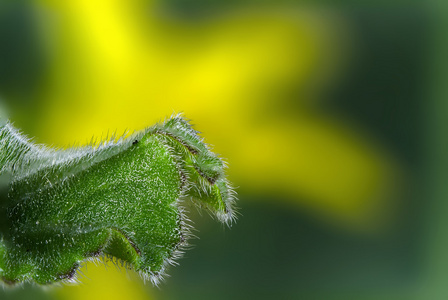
[[122, 199], [331, 117]]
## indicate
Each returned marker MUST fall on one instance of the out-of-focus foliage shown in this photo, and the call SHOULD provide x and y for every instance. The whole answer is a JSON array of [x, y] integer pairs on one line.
[[321, 108]]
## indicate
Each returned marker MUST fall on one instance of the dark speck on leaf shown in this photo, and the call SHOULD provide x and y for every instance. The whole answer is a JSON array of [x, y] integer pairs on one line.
[[70, 273]]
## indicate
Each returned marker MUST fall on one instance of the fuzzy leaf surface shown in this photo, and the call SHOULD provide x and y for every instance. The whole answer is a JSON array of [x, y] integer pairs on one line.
[[123, 198]]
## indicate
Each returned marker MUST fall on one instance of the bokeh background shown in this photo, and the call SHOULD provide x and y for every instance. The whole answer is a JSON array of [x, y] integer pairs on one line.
[[331, 115]]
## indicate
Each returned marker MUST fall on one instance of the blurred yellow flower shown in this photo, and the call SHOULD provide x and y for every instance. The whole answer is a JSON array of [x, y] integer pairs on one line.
[[121, 65]]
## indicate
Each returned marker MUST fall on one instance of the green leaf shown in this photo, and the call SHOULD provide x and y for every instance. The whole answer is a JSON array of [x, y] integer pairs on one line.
[[123, 199]]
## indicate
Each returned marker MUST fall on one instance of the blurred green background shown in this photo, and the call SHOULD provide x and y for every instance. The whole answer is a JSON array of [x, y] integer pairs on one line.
[[331, 115]]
